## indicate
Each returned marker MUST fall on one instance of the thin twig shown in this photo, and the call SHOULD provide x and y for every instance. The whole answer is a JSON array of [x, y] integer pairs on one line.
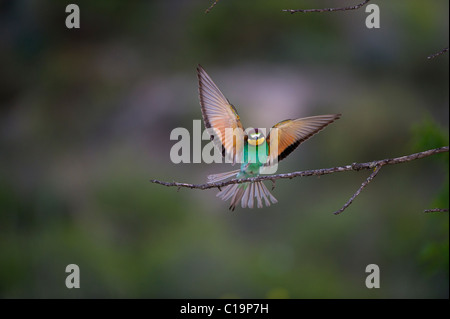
[[441, 210], [355, 7], [363, 185], [212, 6], [314, 172], [430, 57]]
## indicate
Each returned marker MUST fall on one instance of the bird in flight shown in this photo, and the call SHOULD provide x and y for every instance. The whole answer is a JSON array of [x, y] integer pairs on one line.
[[251, 148]]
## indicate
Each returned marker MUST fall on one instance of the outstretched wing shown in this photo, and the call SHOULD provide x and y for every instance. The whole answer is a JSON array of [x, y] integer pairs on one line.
[[218, 115], [291, 133]]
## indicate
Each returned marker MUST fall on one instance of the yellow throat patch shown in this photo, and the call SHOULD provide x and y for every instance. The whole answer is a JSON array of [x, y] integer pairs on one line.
[[259, 141]]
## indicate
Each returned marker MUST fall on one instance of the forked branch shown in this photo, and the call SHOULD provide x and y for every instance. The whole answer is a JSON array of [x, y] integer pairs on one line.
[[375, 165], [363, 185]]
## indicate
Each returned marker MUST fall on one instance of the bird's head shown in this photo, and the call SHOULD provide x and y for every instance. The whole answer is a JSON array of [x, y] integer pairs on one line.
[[255, 137]]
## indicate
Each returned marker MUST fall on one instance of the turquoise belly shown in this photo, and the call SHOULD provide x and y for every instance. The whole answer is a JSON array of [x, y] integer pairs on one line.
[[254, 158]]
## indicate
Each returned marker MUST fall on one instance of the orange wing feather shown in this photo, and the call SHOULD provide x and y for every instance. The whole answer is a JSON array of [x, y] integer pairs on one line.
[[218, 115], [291, 133]]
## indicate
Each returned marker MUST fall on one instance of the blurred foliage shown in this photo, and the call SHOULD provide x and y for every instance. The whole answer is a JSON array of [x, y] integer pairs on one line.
[[85, 120], [429, 134], [435, 252]]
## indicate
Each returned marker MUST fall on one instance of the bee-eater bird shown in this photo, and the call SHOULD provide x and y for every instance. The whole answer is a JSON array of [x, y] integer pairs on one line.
[[253, 150]]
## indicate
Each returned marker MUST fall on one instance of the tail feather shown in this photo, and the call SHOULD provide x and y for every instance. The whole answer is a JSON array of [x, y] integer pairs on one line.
[[268, 194], [246, 193], [237, 197], [258, 197], [221, 176], [263, 194], [227, 192], [251, 195]]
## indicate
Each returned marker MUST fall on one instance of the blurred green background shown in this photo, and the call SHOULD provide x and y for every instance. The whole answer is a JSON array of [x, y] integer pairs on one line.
[[85, 120]]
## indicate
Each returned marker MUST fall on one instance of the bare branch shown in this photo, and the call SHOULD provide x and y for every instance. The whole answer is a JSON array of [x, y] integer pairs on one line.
[[212, 6], [363, 185], [355, 7], [375, 165], [314, 172], [441, 210], [430, 57]]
